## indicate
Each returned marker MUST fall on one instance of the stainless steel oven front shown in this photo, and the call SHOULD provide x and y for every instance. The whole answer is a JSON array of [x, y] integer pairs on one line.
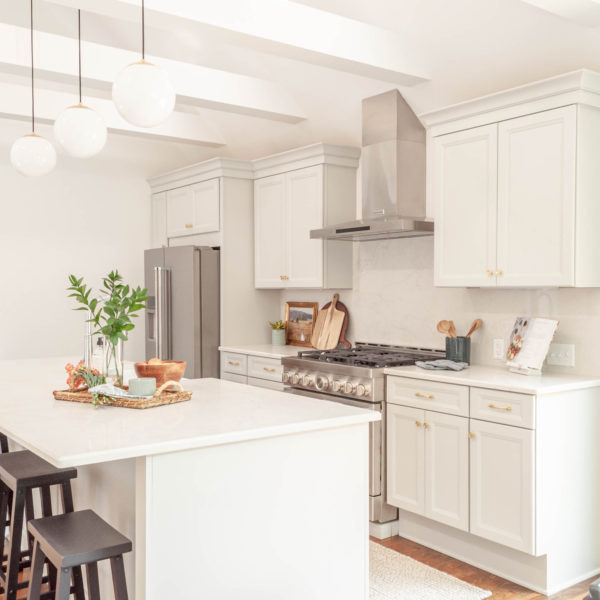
[[379, 511]]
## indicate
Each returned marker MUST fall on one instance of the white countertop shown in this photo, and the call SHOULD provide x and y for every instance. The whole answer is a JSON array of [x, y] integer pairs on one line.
[[500, 379], [220, 412], [266, 350]]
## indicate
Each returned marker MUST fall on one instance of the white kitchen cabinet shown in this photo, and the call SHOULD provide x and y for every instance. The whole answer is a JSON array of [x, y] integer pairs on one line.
[[159, 220], [193, 209], [427, 470], [503, 484], [256, 370]]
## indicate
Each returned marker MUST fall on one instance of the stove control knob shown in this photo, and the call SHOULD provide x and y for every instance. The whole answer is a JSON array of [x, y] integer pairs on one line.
[[337, 386], [307, 381], [286, 377], [322, 383], [349, 388], [361, 390], [367, 391], [295, 379]]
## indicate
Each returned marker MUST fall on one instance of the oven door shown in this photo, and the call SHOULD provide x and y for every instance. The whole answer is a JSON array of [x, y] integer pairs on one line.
[[375, 434]]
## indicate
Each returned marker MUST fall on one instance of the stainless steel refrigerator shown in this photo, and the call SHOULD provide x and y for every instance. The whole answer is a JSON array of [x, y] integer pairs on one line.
[[182, 317]]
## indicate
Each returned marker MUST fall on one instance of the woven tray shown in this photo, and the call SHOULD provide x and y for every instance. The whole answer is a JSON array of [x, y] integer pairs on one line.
[[161, 397]]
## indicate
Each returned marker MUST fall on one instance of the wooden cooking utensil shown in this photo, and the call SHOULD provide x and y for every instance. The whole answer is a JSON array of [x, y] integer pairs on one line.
[[443, 326], [328, 327], [474, 327], [452, 329], [342, 307]]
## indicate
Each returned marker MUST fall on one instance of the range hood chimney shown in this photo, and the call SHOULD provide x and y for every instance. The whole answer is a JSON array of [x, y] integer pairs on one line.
[[393, 174]]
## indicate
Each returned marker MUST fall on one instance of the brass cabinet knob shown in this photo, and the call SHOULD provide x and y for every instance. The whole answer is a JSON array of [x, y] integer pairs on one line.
[[234, 363], [498, 271], [269, 369], [418, 423], [425, 425], [283, 277], [188, 225], [471, 435], [489, 272]]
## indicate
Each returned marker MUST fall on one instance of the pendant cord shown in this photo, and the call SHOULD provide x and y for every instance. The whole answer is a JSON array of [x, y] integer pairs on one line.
[[79, 40], [31, 39], [143, 33]]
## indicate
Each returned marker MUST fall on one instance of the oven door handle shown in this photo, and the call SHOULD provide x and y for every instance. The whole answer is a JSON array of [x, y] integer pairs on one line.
[[376, 406]]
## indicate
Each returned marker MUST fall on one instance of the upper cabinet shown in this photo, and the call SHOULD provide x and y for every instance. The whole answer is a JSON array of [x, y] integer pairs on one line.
[[514, 200], [193, 209], [293, 197]]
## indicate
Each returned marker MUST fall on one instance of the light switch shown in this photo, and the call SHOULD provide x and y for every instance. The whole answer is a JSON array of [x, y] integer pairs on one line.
[[499, 349], [561, 355]]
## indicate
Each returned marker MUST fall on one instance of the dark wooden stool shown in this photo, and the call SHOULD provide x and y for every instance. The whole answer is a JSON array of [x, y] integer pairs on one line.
[[21, 473], [72, 540]]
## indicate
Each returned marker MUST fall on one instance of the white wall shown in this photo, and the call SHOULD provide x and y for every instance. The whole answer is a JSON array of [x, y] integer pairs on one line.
[[70, 221], [394, 302]]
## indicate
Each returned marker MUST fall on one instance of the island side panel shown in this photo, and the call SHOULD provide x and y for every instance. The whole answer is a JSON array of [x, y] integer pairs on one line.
[[282, 517]]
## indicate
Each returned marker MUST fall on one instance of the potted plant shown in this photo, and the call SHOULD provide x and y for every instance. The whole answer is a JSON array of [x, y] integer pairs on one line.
[[277, 333], [110, 312]]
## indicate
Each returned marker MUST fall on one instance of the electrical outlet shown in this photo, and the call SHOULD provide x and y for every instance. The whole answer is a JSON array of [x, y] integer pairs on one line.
[[499, 348], [562, 355]]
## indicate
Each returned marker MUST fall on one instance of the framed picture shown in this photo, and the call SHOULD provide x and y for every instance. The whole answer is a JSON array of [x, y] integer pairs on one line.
[[300, 319]]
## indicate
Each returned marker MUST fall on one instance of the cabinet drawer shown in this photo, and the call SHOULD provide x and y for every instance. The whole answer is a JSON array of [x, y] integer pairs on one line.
[[265, 368], [430, 395], [234, 377], [265, 383], [503, 407], [232, 362]]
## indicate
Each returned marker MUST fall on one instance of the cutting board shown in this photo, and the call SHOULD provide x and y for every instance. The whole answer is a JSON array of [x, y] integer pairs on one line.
[[326, 334], [343, 308]]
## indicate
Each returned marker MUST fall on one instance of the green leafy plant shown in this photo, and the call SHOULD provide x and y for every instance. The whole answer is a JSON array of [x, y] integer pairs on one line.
[[111, 315], [277, 324]]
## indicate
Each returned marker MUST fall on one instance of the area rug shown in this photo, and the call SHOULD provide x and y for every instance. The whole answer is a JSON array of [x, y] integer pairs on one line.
[[395, 576]]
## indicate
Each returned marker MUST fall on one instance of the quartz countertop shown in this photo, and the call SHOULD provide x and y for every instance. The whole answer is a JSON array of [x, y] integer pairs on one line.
[[266, 350], [220, 412], [501, 379]]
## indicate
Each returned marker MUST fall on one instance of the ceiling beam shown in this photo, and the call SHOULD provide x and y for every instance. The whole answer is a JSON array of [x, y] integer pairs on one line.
[[56, 58], [583, 12], [15, 103], [283, 28]]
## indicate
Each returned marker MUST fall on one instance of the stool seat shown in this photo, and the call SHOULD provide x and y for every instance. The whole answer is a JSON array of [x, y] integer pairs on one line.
[[25, 469], [77, 538]]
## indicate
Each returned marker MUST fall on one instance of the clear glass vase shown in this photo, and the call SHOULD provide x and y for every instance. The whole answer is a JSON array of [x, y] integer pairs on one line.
[[113, 362]]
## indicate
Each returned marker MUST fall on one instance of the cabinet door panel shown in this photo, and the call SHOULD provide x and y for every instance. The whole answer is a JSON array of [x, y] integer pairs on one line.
[[464, 188], [305, 212], [270, 244], [536, 199], [193, 209], [159, 220], [405, 458], [447, 469], [502, 484]]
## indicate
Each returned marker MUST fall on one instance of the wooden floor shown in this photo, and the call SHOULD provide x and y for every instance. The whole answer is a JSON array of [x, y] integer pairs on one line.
[[501, 588]]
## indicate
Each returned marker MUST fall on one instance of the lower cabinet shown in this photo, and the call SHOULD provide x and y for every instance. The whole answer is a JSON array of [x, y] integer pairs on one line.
[[253, 370], [502, 484], [428, 464]]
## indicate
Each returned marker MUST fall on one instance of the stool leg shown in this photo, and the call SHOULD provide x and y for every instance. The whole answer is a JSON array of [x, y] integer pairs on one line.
[[37, 571], [47, 512], [93, 584], [64, 585], [78, 584], [3, 443], [14, 553], [29, 514], [118, 573], [67, 497]]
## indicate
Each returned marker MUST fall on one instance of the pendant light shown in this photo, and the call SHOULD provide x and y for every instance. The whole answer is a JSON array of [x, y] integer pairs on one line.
[[142, 92], [32, 154], [79, 129]]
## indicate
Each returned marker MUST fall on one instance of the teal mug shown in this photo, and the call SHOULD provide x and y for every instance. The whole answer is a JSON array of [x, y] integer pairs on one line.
[[458, 349]]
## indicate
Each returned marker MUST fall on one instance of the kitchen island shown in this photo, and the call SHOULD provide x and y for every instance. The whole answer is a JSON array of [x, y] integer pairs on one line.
[[240, 492]]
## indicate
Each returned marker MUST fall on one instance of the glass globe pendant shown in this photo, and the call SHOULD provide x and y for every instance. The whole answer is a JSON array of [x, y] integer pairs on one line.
[[79, 129], [32, 155], [142, 92]]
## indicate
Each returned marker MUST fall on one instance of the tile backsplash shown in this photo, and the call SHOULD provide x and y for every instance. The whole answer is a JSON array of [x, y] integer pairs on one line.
[[394, 301]]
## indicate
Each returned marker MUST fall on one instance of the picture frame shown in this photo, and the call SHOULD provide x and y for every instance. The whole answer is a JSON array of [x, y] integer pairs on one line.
[[300, 320]]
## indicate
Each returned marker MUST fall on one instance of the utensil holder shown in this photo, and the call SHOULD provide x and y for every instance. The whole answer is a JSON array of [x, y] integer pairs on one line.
[[458, 349]]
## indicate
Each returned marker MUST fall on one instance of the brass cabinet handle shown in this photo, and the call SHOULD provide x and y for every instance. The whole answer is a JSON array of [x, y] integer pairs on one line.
[[498, 271], [418, 423], [188, 225], [507, 408], [269, 369], [425, 425], [283, 277], [233, 363], [471, 435], [428, 396], [489, 272]]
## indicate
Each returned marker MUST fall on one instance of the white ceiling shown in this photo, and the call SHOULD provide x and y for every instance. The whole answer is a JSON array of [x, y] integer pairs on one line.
[[465, 48]]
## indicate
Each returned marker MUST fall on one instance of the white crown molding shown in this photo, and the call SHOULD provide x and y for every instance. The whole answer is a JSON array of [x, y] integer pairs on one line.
[[576, 87], [298, 158]]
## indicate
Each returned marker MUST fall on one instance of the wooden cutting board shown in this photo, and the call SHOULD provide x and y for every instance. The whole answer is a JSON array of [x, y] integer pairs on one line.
[[326, 334], [344, 309]]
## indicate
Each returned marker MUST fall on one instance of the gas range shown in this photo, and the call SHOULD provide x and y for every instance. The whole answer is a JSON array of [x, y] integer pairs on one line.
[[352, 373]]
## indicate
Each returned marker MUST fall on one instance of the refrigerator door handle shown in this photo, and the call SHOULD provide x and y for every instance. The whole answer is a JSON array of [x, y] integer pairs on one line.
[[162, 285]]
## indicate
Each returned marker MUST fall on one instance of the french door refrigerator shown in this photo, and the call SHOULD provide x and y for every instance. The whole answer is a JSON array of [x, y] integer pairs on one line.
[[182, 316]]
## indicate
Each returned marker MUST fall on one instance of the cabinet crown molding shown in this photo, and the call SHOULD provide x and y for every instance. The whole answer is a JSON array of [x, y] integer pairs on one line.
[[576, 87]]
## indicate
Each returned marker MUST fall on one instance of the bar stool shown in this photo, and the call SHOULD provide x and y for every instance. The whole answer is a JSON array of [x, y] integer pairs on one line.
[[72, 540], [21, 473]]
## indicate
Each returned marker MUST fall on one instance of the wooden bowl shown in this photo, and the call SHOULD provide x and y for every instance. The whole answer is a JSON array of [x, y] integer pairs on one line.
[[168, 370]]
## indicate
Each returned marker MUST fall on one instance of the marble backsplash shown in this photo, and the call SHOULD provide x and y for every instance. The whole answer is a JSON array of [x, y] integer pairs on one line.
[[394, 301]]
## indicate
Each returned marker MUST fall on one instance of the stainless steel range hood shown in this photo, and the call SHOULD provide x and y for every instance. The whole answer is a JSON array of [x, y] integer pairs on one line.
[[393, 175]]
